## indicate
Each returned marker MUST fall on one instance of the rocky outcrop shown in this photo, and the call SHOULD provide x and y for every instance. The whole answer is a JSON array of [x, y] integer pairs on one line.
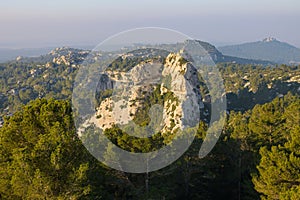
[[176, 78], [68, 56]]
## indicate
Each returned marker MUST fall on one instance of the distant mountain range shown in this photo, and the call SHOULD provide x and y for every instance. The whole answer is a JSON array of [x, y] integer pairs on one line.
[[268, 49], [265, 52], [43, 55]]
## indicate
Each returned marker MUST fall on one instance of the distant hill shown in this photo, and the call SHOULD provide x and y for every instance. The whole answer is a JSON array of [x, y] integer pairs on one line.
[[268, 49], [7, 54], [219, 57]]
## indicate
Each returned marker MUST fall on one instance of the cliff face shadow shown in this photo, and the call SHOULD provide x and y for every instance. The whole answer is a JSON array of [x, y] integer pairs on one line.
[[244, 99]]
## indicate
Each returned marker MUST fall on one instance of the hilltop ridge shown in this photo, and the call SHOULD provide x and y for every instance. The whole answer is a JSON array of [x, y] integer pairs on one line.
[[269, 49]]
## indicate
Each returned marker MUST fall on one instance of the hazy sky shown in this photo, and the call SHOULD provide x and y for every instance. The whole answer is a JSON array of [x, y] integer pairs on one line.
[[38, 23]]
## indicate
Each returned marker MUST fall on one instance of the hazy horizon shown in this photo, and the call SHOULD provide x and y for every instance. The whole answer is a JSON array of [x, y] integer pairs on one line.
[[37, 24], [91, 46]]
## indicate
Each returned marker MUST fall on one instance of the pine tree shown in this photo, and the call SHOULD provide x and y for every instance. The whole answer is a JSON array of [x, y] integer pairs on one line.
[[41, 156], [279, 168]]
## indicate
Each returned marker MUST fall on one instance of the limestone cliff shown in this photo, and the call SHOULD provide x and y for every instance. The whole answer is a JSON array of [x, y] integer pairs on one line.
[[167, 93]]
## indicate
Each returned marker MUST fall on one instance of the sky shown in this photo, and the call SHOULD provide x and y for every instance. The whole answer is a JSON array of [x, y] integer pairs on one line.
[[36, 23]]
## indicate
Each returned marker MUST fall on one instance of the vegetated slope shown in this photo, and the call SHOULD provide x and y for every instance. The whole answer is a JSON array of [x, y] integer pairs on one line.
[[52, 75]]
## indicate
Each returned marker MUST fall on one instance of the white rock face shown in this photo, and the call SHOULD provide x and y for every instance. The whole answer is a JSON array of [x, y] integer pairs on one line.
[[61, 60], [184, 82], [132, 88], [68, 56]]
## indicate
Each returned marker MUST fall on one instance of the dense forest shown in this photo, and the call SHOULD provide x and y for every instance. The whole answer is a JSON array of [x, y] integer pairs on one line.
[[257, 154], [256, 157]]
